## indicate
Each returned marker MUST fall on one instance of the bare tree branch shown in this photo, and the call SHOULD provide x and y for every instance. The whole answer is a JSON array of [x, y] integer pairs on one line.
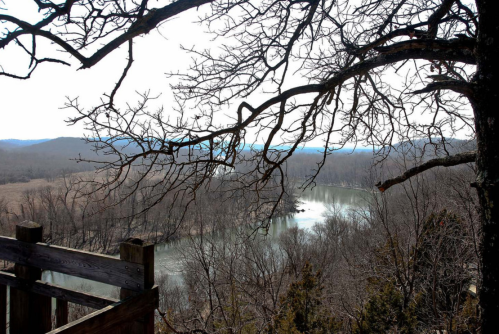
[[454, 160]]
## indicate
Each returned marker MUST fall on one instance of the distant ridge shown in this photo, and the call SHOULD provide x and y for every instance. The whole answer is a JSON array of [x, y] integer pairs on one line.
[[21, 142], [311, 150], [23, 160], [69, 147], [7, 146], [75, 145]]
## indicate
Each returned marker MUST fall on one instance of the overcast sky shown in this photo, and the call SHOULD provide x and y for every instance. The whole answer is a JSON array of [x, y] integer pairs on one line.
[[31, 109]]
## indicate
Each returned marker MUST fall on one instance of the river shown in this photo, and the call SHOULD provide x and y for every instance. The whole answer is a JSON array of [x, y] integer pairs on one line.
[[313, 205]]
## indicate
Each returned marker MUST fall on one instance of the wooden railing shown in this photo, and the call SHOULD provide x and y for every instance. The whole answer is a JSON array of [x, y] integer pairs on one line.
[[30, 304]]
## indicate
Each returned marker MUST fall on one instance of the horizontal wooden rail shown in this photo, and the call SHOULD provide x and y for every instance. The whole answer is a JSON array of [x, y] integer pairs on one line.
[[113, 316], [52, 290], [101, 268]]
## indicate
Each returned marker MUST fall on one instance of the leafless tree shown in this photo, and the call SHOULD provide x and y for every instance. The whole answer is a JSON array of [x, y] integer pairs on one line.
[[4, 216], [430, 247]]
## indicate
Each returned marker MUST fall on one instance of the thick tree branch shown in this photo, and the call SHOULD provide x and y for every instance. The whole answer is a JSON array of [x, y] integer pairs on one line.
[[452, 44], [142, 26], [434, 19], [411, 30], [457, 86], [453, 160]]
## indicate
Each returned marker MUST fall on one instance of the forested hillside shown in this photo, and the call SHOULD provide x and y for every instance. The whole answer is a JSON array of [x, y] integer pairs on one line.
[[22, 161], [26, 160]]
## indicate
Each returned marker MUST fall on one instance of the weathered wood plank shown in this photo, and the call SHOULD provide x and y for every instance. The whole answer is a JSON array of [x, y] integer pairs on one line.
[[101, 268], [52, 290], [3, 309], [113, 316], [61, 313], [29, 312]]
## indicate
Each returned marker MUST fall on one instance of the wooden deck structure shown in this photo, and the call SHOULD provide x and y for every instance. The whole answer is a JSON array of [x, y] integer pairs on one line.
[[30, 305]]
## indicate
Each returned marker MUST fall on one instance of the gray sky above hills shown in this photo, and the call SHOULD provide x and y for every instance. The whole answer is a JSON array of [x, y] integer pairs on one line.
[[32, 109]]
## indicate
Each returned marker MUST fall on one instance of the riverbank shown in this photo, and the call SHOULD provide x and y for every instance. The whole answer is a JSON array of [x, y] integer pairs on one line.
[[336, 185]]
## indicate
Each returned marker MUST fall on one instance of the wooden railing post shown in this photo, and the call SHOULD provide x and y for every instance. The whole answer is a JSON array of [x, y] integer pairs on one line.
[[61, 313], [29, 312], [137, 251], [3, 309]]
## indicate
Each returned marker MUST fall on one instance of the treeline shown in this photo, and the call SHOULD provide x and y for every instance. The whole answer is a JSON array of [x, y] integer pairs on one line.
[[408, 263], [340, 169], [47, 160], [20, 166], [354, 169]]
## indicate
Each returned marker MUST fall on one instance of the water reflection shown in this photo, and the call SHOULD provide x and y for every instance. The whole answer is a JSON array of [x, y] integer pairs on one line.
[[314, 204], [329, 195]]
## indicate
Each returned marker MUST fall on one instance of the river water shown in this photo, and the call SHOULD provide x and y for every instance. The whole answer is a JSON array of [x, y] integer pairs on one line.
[[313, 205]]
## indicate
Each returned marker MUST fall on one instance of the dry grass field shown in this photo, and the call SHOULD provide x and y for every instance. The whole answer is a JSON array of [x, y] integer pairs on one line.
[[12, 192]]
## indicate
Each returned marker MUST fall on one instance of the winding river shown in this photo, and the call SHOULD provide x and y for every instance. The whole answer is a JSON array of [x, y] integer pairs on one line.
[[313, 204]]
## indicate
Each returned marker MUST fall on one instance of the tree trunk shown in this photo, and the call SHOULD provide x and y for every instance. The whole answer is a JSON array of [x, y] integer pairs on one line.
[[486, 109]]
